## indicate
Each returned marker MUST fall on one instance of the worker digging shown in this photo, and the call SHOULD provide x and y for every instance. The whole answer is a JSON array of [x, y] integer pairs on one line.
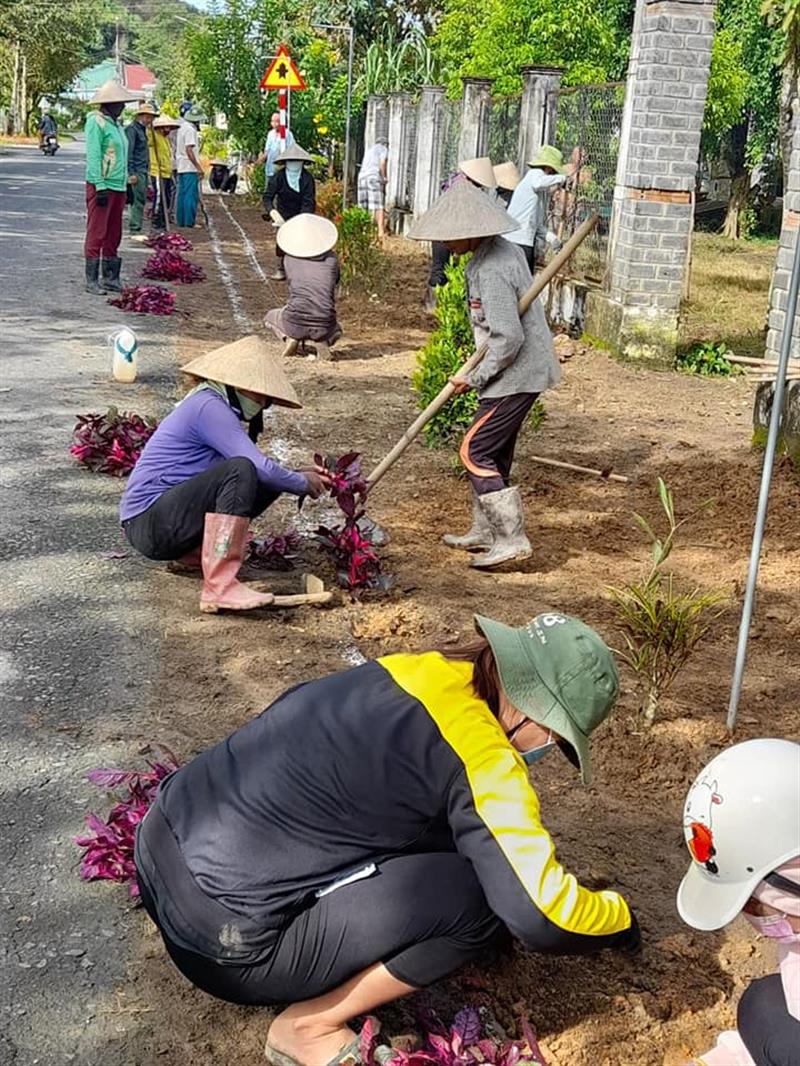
[[520, 364], [201, 477]]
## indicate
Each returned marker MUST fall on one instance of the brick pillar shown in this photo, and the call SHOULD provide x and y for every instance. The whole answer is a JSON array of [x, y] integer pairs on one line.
[[651, 226], [399, 109], [778, 298], [430, 125], [537, 117], [476, 106], [377, 120]]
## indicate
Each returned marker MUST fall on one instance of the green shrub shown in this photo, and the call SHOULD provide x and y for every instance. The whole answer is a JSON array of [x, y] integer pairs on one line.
[[329, 200], [708, 360], [364, 265], [660, 626], [448, 346]]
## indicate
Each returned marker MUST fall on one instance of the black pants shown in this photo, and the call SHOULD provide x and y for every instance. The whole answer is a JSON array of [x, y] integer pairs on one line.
[[440, 257], [487, 450], [173, 525], [423, 916], [769, 1032]]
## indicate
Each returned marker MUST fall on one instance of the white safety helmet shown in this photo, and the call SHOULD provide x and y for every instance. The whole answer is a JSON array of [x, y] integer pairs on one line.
[[741, 821]]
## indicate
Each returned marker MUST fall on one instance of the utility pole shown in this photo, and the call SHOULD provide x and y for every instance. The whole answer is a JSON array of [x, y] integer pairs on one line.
[[117, 58]]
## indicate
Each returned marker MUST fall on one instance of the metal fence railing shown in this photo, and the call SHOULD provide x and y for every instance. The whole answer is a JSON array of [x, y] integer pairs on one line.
[[504, 121], [451, 129], [587, 130]]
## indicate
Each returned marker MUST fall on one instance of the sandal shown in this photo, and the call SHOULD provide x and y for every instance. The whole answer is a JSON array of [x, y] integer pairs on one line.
[[348, 1056]]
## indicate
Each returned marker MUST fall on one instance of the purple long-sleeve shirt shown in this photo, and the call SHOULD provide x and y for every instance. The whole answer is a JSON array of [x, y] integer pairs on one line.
[[200, 432]]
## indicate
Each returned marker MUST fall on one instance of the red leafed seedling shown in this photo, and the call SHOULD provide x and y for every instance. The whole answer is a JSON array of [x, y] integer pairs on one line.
[[108, 846], [167, 265], [274, 552], [358, 566], [174, 242], [146, 300], [466, 1043], [111, 443]]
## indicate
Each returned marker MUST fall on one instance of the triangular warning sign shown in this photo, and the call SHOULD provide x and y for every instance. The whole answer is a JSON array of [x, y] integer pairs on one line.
[[282, 73]]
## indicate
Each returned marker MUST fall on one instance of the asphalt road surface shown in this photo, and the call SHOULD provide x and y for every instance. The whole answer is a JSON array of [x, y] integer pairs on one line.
[[79, 647]]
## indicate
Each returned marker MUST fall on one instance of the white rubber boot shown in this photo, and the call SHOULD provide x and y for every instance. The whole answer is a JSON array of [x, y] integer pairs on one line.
[[503, 511], [479, 538]]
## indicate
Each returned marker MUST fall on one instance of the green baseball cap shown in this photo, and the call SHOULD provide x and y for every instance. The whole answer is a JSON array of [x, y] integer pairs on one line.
[[558, 672], [548, 156]]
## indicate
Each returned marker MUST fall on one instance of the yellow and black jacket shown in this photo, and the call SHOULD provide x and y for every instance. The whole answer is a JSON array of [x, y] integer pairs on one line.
[[392, 757]]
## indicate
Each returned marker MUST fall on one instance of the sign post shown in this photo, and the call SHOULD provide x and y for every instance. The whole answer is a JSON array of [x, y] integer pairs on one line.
[[283, 75]]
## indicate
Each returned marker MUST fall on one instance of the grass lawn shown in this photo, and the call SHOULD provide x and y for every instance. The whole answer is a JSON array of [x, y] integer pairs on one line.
[[729, 293]]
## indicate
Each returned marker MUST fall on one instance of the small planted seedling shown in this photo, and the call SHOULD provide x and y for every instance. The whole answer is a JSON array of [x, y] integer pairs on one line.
[[352, 544], [660, 626], [274, 552]]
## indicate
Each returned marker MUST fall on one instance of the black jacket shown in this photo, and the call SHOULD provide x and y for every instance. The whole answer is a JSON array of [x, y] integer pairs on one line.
[[290, 203], [394, 757], [138, 148]]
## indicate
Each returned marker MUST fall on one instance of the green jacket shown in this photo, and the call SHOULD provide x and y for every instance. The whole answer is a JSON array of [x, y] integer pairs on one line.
[[106, 152]]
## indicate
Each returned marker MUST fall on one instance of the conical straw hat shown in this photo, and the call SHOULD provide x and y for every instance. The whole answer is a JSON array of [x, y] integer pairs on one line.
[[295, 154], [460, 213], [479, 170], [145, 108], [166, 121], [246, 364], [507, 176], [307, 235], [112, 93]]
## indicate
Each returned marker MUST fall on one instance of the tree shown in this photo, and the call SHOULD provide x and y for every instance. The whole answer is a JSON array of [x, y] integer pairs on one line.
[[495, 39], [785, 16], [741, 118]]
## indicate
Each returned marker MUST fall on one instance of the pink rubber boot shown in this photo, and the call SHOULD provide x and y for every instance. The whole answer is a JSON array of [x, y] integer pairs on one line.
[[224, 545]]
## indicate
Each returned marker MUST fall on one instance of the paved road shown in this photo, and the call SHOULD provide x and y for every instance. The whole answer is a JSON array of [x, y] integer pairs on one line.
[[80, 650]]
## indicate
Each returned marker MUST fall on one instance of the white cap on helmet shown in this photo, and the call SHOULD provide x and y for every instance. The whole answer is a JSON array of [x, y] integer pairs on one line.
[[741, 821]]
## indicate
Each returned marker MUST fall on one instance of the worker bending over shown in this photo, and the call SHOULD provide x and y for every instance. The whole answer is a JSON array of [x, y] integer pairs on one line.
[[374, 830]]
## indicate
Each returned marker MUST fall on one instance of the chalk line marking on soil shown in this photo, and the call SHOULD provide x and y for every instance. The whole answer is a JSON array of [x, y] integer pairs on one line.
[[235, 297], [250, 252], [352, 656]]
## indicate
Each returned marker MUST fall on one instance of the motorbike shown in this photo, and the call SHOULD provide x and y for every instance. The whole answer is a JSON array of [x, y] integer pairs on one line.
[[49, 144]]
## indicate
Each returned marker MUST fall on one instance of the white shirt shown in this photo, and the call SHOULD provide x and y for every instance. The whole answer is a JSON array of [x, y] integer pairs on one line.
[[187, 138], [371, 163], [273, 148], [529, 203]]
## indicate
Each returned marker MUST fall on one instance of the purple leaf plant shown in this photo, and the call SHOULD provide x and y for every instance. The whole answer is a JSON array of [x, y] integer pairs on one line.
[[108, 846], [111, 443], [146, 300]]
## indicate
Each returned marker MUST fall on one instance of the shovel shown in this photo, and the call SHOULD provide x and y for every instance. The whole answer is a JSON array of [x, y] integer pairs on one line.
[[314, 592]]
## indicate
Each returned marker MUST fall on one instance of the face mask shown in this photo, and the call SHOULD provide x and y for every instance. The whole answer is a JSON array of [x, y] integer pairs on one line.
[[773, 926], [293, 171], [535, 754], [114, 110], [249, 408]]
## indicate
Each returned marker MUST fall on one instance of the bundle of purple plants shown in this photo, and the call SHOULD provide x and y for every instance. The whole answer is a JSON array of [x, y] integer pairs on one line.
[[167, 265], [175, 242], [468, 1042], [111, 443], [358, 566], [108, 846], [275, 551], [146, 300]]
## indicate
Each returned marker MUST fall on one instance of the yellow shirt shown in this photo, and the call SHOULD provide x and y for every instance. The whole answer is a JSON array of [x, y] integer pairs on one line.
[[160, 155]]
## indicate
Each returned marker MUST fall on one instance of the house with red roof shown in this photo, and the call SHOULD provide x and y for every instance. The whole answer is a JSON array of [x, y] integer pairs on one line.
[[139, 79]]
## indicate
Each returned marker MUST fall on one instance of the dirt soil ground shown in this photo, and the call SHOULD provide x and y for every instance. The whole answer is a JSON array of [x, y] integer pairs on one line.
[[626, 829]]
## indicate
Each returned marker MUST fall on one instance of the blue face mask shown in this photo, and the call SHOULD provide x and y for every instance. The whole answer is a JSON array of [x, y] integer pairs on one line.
[[535, 754]]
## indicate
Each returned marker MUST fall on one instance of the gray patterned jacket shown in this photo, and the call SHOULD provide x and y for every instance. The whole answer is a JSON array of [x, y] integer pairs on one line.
[[521, 357]]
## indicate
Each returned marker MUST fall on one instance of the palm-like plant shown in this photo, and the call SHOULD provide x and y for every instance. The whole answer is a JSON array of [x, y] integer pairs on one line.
[[396, 63]]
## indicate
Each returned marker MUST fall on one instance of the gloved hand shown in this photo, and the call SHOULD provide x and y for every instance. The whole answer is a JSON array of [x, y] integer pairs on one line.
[[101, 197]]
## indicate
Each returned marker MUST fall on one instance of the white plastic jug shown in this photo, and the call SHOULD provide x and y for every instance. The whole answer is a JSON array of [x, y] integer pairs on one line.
[[124, 363]]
